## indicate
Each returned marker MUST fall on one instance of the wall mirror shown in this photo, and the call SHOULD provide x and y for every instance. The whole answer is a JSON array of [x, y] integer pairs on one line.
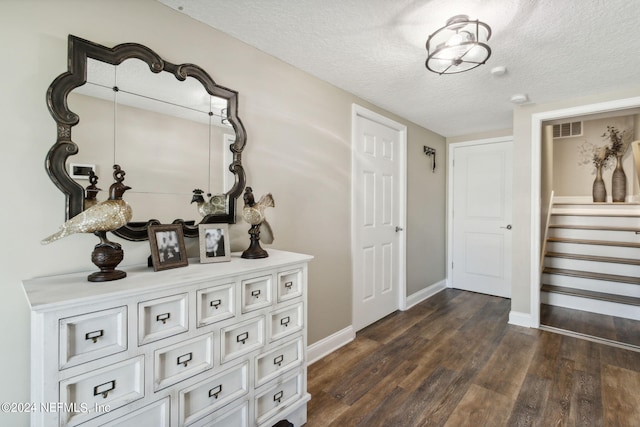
[[170, 127]]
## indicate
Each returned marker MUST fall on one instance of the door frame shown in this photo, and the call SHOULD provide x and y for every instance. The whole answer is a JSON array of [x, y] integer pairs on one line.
[[536, 176], [450, 159], [356, 112]]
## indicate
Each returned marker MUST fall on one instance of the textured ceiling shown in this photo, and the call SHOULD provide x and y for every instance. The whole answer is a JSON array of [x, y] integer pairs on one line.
[[375, 49]]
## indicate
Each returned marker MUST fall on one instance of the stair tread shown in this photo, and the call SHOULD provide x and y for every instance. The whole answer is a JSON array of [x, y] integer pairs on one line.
[[593, 275], [594, 227], [595, 258], [594, 242], [623, 299]]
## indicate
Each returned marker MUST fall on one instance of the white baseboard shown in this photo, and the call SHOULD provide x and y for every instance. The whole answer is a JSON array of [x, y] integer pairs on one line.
[[320, 349], [520, 319], [425, 294]]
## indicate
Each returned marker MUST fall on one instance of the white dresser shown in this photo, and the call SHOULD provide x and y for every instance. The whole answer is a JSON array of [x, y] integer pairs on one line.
[[219, 344]]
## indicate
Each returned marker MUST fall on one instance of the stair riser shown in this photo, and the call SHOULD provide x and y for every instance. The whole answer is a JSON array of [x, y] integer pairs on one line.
[[603, 221], [593, 266], [596, 250], [606, 235], [617, 288], [594, 306]]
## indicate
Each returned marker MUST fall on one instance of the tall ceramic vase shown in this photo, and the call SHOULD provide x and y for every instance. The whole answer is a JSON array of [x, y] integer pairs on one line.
[[618, 182], [599, 191]]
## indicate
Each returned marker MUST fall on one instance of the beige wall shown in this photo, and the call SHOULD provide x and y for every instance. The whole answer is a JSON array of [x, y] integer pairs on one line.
[[298, 148], [572, 178]]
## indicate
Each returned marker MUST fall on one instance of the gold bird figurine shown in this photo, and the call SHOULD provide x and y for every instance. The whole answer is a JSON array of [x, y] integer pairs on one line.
[[105, 216], [91, 192]]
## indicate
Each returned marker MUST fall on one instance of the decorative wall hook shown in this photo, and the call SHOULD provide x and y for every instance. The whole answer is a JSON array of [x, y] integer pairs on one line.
[[431, 152]]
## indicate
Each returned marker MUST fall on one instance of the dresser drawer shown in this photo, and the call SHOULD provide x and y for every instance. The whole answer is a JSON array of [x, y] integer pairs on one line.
[[162, 317], [99, 391], [229, 416], [278, 397], [256, 293], [241, 338], [92, 335], [213, 393], [215, 304], [180, 361], [285, 321], [275, 362], [289, 285], [156, 414]]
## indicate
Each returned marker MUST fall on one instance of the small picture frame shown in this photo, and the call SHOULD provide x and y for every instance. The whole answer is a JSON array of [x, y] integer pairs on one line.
[[214, 243], [167, 246]]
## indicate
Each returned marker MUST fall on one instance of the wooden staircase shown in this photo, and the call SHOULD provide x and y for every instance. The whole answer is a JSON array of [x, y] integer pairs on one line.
[[592, 259]]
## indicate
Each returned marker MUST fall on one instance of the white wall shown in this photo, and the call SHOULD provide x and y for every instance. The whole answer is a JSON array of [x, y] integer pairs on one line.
[[298, 148]]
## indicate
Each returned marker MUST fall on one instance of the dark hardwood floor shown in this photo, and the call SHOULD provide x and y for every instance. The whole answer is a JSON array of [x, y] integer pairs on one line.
[[609, 328], [454, 361]]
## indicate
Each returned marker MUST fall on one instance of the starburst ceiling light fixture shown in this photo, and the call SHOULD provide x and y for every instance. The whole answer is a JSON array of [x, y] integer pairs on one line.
[[459, 46]]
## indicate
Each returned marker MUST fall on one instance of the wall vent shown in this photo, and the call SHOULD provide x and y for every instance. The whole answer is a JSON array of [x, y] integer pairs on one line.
[[566, 130]]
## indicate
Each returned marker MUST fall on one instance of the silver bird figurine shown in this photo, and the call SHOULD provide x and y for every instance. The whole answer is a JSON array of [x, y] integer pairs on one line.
[[105, 216], [217, 204], [253, 213]]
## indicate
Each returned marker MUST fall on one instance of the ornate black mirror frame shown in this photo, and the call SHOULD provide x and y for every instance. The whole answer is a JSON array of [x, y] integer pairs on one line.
[[78, 52]]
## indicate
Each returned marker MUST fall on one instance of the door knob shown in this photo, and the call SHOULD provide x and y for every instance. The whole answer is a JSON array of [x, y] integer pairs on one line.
[[398, 228], [508, 227]]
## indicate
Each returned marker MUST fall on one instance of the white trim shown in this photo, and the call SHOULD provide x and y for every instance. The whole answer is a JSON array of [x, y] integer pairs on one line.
[[450, 160], [328, 345], [519, 319], [590, 305], [559, 200], [424, 294], [536, 126], [359, 111]]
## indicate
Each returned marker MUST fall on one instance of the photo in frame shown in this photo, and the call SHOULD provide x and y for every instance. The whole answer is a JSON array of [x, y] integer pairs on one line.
[[167, 246], [214, 243]]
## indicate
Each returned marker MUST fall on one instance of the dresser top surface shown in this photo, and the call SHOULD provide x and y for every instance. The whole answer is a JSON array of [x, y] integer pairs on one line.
[[50, 292]]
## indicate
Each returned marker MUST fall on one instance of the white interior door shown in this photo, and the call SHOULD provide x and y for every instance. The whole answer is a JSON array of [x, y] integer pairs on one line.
[[481, 203], [378, 217]]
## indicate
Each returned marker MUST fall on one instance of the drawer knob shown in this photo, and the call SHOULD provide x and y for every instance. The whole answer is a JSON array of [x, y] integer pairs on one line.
[[278, 396], [214, 392], [278, 360], [184, 359], [285, 321], [243, 337], [288, 285], [93, 336], [256, 293], [163, 317], [104, 389], [215, 303]]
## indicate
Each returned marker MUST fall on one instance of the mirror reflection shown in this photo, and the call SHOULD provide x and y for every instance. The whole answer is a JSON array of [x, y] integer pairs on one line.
[[170, 127], [171, 136]]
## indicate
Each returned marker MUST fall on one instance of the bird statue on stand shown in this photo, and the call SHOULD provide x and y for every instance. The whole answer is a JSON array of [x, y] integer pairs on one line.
[[105, 216], [216, 205], [253, 213], [91, 192]]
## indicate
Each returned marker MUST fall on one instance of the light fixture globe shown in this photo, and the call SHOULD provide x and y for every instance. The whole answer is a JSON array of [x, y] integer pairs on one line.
[[459, 46]]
